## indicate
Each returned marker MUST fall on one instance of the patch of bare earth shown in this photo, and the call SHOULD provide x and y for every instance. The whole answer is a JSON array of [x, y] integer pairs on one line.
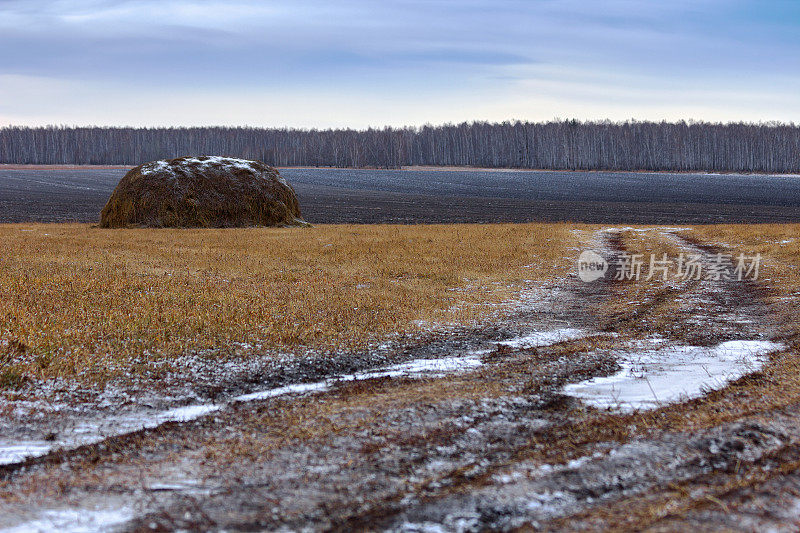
[[496, 445]]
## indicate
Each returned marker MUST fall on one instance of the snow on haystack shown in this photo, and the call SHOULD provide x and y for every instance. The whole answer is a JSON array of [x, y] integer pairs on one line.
[[205, 191]]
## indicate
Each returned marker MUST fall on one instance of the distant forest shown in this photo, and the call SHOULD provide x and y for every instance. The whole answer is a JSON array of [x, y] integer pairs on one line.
[[681, 146]]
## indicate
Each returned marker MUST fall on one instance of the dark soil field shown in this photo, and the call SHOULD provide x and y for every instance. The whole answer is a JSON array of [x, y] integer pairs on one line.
[[40, 194]]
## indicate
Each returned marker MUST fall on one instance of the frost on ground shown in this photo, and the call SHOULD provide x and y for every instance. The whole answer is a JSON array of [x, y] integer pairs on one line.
[[417, 368], [89, 433], [657, 377], [97, 430], [73, 521], [461, 431], [17, 451], [544, 338]]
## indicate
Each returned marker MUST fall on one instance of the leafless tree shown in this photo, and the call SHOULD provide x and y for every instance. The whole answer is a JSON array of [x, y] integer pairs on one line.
[[571, 144]]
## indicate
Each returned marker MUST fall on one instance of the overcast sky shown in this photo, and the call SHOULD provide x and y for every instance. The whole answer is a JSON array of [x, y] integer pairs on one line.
[[359, 63]]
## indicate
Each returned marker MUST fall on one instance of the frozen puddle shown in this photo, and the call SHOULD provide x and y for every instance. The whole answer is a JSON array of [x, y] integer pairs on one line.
[[96, 431], [652, 378], [90, 433], [14, 452], [73, 521], [418, 368], [544, 338]]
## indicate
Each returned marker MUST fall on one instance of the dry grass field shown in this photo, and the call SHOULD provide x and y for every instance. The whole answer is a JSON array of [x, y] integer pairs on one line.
[[779, 244], [79, 301]]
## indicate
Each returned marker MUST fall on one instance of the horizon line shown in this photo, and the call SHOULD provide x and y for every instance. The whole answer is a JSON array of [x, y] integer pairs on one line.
[[555, 120]]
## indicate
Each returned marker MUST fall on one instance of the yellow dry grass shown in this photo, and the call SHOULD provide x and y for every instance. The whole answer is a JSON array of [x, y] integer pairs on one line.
[[779, 272], [779, 245], [77, 300]]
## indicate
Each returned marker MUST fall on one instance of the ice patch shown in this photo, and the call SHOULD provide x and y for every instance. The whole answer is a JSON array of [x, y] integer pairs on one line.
[[15, 452], [91, 433], [657, 377], [73, 521], [186, 413], [544, 338], [427, 367], [416, 368], [96, 431], [299, 388]]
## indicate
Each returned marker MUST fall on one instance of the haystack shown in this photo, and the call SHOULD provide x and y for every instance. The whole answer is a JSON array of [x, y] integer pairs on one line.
[[207, 191]]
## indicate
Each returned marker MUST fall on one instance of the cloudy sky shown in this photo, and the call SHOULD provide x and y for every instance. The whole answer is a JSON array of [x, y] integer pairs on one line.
[[359, 63]]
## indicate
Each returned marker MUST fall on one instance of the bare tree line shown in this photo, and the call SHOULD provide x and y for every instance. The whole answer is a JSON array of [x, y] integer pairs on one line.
[[633, 145]]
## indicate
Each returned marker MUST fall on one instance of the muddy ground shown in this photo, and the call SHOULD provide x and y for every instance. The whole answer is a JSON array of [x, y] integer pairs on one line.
[[494, 445]]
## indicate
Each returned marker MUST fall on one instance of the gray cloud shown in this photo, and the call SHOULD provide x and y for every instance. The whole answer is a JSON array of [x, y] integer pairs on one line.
[[469, 50]]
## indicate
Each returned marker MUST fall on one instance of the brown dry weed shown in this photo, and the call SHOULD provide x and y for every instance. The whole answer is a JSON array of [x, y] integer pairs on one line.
[[96, 303]]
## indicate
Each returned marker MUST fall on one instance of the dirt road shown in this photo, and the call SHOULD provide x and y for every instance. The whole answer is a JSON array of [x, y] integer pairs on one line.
[[513, 426]]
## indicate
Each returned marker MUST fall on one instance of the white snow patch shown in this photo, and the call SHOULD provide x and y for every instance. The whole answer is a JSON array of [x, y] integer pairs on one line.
[[205, 161], [73, 521], [549, 502], [579, 462], [155, 166], [652, 378], [422, 527], [219, 160], [544, 338], [90, 433], [186, 413], [299, 388], [415, 369], [15, 452], [644, 230], [505, 479]]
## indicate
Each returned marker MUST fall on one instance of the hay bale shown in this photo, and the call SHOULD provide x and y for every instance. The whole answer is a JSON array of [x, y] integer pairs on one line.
[[207, 191]]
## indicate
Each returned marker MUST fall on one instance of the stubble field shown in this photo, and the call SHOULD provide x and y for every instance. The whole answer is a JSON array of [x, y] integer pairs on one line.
[[79, 301]]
